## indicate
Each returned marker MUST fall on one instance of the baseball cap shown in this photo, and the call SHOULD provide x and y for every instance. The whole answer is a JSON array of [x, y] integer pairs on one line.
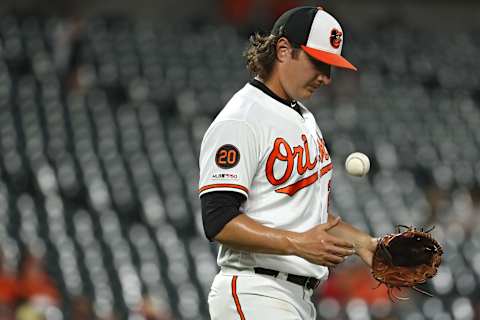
[[316, 31]]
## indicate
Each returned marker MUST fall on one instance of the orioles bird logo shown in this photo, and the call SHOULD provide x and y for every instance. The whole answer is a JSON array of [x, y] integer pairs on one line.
[[336, 38]]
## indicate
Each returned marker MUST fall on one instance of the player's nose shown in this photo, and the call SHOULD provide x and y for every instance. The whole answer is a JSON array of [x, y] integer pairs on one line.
[[324, 79]]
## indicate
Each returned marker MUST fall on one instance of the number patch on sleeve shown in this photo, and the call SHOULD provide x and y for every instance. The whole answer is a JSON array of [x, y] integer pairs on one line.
[[227, 156]]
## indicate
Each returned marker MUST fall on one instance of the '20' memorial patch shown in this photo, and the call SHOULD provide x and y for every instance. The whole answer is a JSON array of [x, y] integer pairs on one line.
[[227, 156]]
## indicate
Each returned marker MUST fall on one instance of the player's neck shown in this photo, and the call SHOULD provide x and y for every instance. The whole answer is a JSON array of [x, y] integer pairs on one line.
[[274, 84], [259, 84]]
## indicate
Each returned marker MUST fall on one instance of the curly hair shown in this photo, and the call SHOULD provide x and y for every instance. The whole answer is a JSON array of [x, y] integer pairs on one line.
[[261, 54]]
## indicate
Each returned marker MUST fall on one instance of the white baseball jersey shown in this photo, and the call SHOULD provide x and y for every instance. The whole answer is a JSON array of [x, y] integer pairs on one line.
[[264, 149]]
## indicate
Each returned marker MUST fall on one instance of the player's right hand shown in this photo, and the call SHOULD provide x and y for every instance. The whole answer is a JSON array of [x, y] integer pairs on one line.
[[319, 247]]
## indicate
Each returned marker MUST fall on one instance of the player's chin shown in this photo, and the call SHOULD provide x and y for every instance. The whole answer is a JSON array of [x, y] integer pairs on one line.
[[307, 93]]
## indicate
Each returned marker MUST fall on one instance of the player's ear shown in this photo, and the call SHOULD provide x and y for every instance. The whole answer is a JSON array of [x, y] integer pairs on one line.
[[284, 49]]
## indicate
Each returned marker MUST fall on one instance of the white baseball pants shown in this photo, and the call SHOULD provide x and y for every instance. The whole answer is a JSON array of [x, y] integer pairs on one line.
[[244, 295]]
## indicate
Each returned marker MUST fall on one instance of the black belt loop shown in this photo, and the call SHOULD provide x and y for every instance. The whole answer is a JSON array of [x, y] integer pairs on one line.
[[307, 282], [268, 272]]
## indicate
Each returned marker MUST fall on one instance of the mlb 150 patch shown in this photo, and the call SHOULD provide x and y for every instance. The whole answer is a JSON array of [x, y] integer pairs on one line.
[[227, 156]]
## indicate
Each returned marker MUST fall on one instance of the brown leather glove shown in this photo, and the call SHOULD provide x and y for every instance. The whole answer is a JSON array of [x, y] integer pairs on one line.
[[406, 259]]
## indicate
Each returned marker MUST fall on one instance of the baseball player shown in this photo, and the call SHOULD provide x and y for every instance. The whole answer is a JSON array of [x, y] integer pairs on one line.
[[265, 178]]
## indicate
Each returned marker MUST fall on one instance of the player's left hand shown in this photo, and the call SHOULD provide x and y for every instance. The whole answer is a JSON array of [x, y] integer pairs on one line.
[[366, 252]]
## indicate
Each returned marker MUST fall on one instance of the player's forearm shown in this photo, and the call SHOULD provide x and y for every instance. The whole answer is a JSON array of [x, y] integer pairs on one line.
[[244, 233], [356, 236]]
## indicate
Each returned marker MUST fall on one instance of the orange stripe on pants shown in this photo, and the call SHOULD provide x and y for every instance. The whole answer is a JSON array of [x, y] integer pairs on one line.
[[235, 298]]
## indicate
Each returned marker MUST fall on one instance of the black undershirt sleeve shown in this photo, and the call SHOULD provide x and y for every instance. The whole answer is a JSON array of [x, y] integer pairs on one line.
[[218, 208]]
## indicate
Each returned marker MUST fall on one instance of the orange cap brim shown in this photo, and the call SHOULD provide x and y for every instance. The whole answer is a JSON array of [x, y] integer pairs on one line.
[[329, 58]]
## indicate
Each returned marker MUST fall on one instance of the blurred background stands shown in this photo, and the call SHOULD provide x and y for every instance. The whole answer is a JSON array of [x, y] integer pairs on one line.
[[100, 127]]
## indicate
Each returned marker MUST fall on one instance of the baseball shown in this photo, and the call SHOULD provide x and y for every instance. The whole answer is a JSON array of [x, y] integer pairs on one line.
[[357, 164]]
